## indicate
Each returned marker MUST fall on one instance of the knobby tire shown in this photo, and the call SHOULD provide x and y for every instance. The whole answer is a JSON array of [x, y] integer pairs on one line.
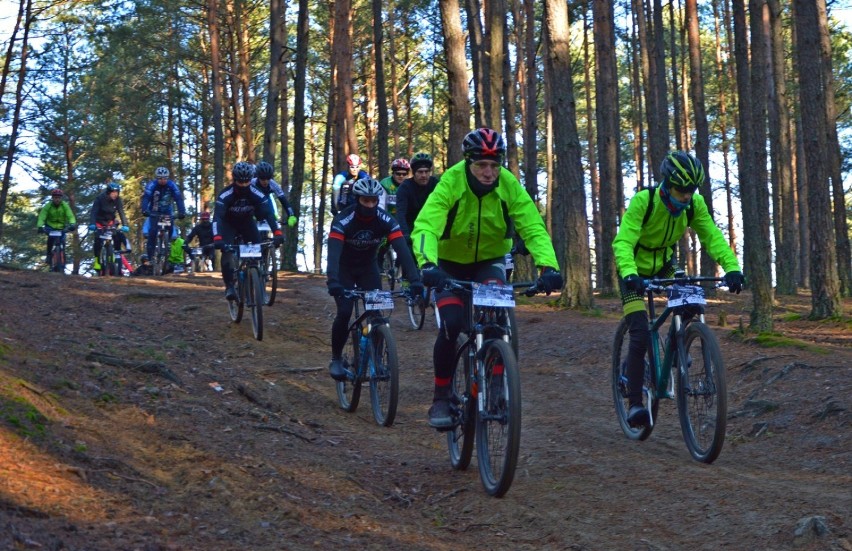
[[255, 295], [384, 375], [702, 396], [498, 423], [349, 391], [460, 439]]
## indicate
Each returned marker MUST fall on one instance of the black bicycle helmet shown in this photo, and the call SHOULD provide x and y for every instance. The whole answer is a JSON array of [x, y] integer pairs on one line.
[[367, 187], [242, 171], [263, 171], [484, 143], [682, 171], [421, 160]]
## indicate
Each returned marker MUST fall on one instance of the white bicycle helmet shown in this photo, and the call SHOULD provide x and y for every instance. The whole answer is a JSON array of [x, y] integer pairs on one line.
[[161, 172], [367, 187]]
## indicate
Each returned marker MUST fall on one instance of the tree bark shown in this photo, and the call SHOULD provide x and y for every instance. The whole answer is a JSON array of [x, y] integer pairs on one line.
[[383, 163], [609, 140], [459, 106], [825, 283], [570, 234]]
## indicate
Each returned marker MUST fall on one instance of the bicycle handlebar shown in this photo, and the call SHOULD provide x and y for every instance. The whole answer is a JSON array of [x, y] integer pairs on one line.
[[532, 287], [360, 293], [659, 285]]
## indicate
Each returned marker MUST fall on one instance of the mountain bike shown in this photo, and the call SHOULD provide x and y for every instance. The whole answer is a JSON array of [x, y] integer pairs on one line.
[[691, 351], [269, 265], [486, 386], [164, 244], [248, 283], [108, 258], [57, 252], [371, 356]]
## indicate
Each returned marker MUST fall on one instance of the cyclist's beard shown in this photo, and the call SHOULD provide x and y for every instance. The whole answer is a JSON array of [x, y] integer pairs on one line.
[[366, 212]]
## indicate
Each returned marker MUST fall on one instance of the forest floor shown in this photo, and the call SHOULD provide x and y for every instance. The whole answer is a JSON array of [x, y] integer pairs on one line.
[[135, 415]]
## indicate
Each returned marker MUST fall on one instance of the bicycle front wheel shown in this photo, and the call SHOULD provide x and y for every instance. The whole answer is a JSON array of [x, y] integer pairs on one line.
[[235, 307], [57, 260], [460, 439], [349, 391], [417, 312], [620, 348], [384, 375], [254, 294], [498, 423], [702, 396], [270, 272]]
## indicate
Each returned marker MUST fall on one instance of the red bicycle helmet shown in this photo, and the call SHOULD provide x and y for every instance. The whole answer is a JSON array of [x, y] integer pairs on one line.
[[484, 143]]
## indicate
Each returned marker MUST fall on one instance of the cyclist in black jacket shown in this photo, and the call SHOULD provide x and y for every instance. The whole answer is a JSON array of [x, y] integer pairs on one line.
[[355, 236], [237, 207]]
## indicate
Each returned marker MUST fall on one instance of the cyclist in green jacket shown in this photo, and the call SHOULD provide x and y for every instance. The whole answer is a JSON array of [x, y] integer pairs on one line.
[[643, 250], [464, 232], [55, 215]]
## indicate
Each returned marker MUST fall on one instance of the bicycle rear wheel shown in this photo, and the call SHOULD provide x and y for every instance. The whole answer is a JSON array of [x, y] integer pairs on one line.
[[349, 391], [702, 396], [254, 294], [460, 439], [498, 423], [384, 375], [417, 312], [270, 271], [235, 307], [620, 348]]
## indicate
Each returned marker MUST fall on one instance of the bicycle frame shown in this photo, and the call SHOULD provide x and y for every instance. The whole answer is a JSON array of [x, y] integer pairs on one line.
[[674, 344], [482, 321], [364, 322]]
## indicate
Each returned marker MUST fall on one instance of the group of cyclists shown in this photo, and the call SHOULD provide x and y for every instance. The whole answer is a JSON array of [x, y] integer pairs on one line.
[[460, 225]]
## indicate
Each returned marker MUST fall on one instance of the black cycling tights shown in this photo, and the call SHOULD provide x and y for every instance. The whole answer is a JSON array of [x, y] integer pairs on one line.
[[637, 323]]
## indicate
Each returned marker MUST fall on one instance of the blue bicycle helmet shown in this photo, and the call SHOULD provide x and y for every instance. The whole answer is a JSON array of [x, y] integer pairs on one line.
[[242, 171], [263, 170], [112, 186]]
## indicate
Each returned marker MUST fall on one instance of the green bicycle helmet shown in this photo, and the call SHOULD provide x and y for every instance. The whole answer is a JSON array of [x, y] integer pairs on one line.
[[420, 160], [682, 171]]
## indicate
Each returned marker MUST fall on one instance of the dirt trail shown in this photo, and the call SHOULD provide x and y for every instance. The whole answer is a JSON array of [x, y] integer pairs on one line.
[[103, 454]]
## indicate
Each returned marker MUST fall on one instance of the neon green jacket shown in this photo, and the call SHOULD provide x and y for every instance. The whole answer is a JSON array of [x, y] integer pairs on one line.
[[176, 251], [56, 216], [458, 226], [645, 250]]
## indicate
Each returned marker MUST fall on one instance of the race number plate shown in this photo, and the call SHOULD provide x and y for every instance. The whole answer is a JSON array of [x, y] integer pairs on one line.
[[164, 220], [490, 294], [250, 251], [378, 300], [681, 295], [55, 233]]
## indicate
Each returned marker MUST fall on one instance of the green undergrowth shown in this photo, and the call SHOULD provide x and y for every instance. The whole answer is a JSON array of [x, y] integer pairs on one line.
[[777, 340]]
